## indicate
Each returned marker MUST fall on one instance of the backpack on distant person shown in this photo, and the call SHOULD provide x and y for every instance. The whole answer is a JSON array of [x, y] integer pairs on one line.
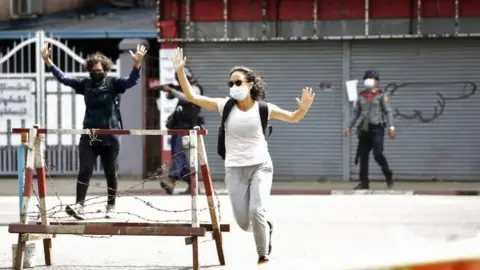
[[263, 110]]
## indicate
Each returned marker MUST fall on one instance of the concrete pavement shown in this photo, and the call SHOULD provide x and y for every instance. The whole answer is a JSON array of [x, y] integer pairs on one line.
[[66, 186], [311, 232]]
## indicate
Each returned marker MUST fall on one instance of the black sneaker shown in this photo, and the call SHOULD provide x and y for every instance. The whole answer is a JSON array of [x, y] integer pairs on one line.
[[263, 259], [361, 186], [389, 178], [390, 185], [270, 241], [168, 185]]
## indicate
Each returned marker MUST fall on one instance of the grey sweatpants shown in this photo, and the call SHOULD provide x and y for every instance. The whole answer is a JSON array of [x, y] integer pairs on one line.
[[249, 188]]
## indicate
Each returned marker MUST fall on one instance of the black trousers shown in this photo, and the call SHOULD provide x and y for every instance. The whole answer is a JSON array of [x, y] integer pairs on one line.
[[372, 139], [88, 154]]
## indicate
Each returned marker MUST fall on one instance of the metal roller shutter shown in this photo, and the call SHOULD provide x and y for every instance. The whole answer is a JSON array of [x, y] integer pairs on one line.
[[304, 151], [447, 147]]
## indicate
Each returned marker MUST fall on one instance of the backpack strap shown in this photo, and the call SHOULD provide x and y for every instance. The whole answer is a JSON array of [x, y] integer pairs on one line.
[[116, 99], [226, 111], [221, 149], [263, 109]]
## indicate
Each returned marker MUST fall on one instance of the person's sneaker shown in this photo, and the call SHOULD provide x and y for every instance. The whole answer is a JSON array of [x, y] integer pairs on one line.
[[270, 241], [75, 211], [168, 185], [390, 185], [361, 187], [110, 211], [389, 180], [263, 259]]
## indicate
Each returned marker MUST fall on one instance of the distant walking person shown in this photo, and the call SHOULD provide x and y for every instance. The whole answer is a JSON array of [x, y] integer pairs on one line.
[[101, 95], [375, 112], [185, 116], [243, 146]]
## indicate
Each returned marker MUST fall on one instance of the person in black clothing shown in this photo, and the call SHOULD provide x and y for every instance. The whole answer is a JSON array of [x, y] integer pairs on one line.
[[185, 116], [374, 110], [101, 95]]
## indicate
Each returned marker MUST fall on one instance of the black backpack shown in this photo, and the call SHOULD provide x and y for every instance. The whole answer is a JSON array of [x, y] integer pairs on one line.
[[263, 109], [116, 99]]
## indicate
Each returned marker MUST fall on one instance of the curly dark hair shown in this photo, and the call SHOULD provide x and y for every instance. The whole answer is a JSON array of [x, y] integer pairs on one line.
[[258, 90], [96, 58]]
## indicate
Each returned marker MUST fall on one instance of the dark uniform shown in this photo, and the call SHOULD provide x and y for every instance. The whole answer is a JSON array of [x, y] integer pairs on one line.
[[185, 116], [375, 112]]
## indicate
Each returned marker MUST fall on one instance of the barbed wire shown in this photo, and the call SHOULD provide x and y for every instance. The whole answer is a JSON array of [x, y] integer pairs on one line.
[[160, 173]]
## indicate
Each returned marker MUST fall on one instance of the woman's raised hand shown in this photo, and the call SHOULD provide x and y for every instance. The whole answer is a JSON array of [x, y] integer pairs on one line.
[[307, 98], [178, 60]]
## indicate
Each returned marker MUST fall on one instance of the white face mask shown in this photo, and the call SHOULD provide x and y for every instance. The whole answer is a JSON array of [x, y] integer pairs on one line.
[[369, 83], [239, 92]]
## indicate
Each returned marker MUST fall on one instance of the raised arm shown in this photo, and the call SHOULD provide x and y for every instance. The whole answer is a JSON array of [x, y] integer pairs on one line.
[[76, 84], [124, 83], [178, 94], [204, 102], [303, 105], [173, 93]]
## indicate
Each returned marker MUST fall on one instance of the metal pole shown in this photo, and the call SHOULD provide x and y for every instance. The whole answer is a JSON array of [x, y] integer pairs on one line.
[[159, 17], [419, 17], [21, 168], [187, 18], [367, 15], [264, 18], [315, 18], [457, 11], [192, 145], [159, 10], [38, 77], [225, 18]]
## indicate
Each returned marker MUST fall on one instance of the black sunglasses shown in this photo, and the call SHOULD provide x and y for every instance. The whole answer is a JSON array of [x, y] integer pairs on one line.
[[237, 83]]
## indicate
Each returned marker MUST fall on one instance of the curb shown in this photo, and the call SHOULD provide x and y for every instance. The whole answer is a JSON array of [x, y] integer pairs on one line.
[[323, 192]]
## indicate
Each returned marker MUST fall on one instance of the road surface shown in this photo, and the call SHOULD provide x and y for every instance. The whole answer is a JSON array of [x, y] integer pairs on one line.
[[311, 232]]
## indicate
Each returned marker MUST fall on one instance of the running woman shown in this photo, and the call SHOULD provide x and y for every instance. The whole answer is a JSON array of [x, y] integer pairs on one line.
[[248, 166]]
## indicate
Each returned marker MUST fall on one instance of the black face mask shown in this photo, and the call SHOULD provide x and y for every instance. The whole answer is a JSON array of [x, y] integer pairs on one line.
[[97, 76]]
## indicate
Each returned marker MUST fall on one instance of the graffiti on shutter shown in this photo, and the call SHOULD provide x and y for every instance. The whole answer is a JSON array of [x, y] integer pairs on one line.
[[463, 90]]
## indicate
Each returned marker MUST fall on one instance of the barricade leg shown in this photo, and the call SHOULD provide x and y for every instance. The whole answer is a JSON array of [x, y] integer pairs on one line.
[[27, 193], [194, 192], [21, 170], [42, 192], [47, 230], [207, 181]]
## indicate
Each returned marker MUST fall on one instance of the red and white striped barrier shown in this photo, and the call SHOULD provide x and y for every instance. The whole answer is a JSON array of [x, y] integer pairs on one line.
[[35, 158], [42, 191], [207, 181], [36, 149]]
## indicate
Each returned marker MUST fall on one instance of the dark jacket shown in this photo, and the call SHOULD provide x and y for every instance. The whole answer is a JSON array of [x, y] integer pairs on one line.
[[100, 111], [187, 114], [373, 108]]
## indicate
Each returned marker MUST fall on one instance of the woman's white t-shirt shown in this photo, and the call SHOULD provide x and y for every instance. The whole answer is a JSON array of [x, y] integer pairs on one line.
[[245, 142]]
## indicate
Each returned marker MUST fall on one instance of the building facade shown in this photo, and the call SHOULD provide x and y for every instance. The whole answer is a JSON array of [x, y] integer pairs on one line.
[[432, 81], [425, 51], [30, 94]]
